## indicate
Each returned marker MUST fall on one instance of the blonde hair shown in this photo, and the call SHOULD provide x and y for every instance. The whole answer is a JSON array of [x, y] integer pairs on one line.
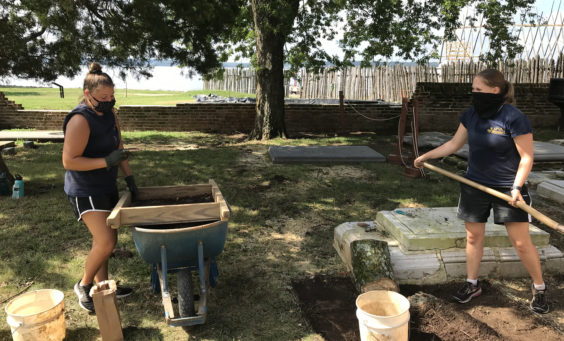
[[493, 78]]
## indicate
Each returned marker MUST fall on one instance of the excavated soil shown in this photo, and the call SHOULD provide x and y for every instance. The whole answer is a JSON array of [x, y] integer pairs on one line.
[[500, 313]]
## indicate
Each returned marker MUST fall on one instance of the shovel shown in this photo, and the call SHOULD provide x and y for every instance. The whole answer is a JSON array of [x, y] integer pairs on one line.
[[522, 205]]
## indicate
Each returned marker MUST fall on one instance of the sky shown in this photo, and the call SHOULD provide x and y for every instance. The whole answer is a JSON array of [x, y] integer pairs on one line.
[[174, 78]]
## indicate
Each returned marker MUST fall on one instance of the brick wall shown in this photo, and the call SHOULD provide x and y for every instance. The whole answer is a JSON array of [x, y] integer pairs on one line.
[[223, 118], [440, 105], [6, 105]]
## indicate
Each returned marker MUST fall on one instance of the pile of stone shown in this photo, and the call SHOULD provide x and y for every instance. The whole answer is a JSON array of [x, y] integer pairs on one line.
[[211, 98]]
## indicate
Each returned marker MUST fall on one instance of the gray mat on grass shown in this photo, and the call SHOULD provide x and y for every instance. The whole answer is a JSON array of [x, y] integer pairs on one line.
[[312, 154]]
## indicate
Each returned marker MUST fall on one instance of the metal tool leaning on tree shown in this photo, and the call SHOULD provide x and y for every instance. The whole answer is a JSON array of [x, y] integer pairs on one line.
[[500, 141]]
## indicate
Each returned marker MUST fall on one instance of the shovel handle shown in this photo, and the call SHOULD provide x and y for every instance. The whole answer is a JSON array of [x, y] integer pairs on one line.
[[522, 205]]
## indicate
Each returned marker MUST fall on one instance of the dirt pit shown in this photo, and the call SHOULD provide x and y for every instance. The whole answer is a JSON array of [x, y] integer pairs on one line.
[[500, 313]]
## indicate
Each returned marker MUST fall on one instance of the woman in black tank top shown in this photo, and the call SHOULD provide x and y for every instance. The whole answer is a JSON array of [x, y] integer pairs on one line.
[[92, 154]]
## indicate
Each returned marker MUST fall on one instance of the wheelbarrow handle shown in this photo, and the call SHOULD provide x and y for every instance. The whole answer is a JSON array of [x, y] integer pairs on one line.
[[522, 205]]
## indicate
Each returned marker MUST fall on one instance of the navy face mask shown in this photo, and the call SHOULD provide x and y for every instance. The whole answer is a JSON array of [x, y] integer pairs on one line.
[[105, 107], [486, 104]]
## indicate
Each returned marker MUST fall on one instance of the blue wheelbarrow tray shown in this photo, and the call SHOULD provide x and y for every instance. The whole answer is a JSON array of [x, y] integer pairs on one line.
[[179, 237]]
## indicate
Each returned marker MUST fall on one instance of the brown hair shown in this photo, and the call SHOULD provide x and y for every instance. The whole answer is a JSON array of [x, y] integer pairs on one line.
[[493, 78], [96, 78]]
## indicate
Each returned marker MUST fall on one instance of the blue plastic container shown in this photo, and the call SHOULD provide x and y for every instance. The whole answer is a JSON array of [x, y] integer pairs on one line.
[[18, 188]]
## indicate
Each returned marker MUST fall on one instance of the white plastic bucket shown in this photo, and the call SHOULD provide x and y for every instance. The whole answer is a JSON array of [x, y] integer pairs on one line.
[[382, 315], [37, 315]]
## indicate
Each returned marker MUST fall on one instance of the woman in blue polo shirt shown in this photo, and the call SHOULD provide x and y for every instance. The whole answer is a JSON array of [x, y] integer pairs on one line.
[[501, 156], [92, 153]]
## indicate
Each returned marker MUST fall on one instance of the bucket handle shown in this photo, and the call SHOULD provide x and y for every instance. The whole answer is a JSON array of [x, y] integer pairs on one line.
[[13, 323], [17, 325]]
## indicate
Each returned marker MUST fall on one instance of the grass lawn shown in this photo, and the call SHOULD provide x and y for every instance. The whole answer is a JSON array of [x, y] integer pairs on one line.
[[49, 98], [281, 230]]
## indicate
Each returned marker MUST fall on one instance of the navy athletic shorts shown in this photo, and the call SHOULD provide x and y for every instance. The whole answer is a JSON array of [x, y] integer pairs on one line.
[[475, 205], [102, 202]]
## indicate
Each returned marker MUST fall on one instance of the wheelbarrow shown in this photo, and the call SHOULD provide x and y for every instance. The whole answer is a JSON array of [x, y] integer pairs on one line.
[[181, 238]]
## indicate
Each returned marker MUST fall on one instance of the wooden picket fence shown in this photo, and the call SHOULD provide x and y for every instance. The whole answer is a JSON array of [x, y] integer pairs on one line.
[[234, 79], [391, 83]]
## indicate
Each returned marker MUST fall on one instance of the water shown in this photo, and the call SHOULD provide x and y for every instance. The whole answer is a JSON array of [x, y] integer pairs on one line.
[[164, 78]]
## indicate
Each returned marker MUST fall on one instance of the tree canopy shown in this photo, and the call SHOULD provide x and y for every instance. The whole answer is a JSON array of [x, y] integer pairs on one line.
[[46, 39]]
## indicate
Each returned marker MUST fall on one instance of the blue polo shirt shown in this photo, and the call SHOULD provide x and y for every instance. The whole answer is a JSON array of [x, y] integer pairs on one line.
[[103, 139], [493, 158]]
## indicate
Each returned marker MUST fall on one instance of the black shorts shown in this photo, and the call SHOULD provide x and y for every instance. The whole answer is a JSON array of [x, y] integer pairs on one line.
[[474, 206], [102, 202]]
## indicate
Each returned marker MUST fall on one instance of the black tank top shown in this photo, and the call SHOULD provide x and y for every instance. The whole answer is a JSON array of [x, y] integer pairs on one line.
[[103, 139]]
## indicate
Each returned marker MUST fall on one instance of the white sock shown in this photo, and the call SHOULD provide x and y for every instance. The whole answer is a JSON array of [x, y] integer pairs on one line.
[[475, 282], [540, 287]]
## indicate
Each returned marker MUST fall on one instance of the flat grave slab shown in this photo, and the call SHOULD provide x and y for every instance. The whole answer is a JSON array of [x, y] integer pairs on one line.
[[438, 265], [544, 151], [552, 189], [428, 139], [535, 178], [332, 154], [418, 229], [34, 135]]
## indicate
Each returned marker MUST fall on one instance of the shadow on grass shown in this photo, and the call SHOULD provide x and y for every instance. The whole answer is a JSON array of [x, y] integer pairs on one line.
[[21, 93], [281, 230], [129, 333]]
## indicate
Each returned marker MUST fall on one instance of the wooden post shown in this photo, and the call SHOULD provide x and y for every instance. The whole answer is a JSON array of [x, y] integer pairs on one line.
[[342, 123], [411, 171], [104, 297]]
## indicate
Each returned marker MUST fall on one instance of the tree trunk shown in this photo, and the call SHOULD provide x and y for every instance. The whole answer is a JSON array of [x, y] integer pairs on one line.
[[273, 22], [372, 268], [6, 178], [4, 169]]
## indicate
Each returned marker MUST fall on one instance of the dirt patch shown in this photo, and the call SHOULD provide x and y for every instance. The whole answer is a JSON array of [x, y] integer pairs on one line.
[[343, 171], [174, 201], [328, 303]]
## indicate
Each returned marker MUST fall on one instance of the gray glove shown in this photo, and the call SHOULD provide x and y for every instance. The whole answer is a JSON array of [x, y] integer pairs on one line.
[[115, 157], [130, 180]]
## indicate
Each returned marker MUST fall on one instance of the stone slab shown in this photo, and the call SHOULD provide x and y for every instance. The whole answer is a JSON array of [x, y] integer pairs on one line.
[[33, 135], [543, 151], [5, 144], [413, 268], [439, 266], [552, 189], [457, 271], [459, 255], [428, 139], [438, 228], [332, 154], [536, 178]]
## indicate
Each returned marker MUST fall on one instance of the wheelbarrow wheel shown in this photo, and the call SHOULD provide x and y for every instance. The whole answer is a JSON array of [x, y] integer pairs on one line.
[[185, 293]]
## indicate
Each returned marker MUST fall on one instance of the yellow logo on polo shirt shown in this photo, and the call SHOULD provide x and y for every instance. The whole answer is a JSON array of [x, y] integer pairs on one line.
[[496, 131]]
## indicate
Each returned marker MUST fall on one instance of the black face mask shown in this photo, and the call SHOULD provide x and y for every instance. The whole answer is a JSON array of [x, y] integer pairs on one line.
[[486, 104], [104, 107]]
